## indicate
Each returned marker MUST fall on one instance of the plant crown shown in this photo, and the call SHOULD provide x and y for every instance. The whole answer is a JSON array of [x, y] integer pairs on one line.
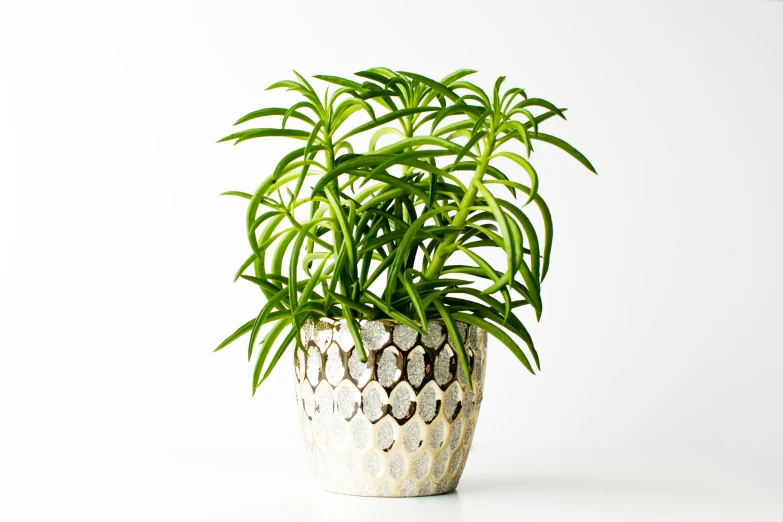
[[420, 223]]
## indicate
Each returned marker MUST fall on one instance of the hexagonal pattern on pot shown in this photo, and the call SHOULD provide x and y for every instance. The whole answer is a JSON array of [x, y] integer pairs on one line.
[[399, 424]]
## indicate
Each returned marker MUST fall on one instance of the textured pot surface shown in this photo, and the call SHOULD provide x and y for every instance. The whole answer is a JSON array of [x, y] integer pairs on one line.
[[400, 424]]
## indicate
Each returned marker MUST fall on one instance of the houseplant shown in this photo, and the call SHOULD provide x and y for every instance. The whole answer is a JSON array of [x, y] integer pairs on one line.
[[386, 245]]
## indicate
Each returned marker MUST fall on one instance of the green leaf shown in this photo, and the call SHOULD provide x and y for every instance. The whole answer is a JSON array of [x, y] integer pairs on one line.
[[432, 84], [456, 340], [242, 330], [522, 133], [557, 142], [279, 353], [306, 152], [353, 304], [386, 118], [456, 75], [266, 345], [244, 195], [538, 102], [525, 164], [262, 318], [293, 113], [418, 141], [385, 131], [481, 96], [287, 84], [391, 312], [410, 287], [339, 214], [546, 217], [401, 252], [470, 143], [263, 133], [246, 263], [497, 333], [357, 336], [339, 81], [275, 111]]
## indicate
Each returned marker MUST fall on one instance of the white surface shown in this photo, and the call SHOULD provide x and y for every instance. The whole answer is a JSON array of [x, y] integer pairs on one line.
[[243, 485], [660, 395]]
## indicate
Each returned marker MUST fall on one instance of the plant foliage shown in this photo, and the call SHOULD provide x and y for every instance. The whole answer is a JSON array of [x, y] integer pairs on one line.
[[420, 223]]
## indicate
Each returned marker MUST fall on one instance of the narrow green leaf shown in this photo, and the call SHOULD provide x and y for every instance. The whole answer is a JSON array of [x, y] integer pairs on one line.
[[266, 345], [407, 283], [242, 330], [339, 81], [546, 217], [391, 312], [275, 111], [497, 333], [262, 133], [538, 102], [357, 336], [557, 142], [384, 131], [432, 84], [456, 339], [279, 353], [261, 319], [470, 143], [525, 164], [386, 118], [244, 195]]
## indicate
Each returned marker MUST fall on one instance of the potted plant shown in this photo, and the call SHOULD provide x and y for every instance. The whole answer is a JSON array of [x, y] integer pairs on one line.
[[386, 250]]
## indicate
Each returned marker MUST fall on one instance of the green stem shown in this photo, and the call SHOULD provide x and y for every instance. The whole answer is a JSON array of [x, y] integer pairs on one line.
[[329, 152], [446, 247]]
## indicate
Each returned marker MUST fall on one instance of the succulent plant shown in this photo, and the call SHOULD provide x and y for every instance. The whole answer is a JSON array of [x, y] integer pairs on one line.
[[419, 224]]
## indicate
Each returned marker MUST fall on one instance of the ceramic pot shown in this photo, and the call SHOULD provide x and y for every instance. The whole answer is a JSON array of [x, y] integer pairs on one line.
[[400, 424]]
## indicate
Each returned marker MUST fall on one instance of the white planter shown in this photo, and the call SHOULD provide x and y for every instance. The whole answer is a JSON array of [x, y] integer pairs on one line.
[[400, 424]]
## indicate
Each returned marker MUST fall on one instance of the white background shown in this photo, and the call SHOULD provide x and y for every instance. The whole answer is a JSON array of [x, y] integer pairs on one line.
[[660, 396]]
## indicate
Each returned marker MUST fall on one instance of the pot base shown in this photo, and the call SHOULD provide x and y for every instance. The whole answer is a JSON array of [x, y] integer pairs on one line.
[[399, 494]]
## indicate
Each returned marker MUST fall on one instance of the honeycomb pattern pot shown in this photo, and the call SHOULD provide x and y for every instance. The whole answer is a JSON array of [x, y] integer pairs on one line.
[[400, 424]]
